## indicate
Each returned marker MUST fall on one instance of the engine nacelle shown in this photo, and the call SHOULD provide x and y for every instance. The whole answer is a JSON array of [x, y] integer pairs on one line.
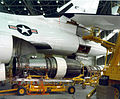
[[6, 48]]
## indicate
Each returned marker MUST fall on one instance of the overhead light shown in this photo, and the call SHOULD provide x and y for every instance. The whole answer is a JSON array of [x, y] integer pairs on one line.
[[25, 9], [20, 1], [56, 1], [43, 13], [8, 8], [33, 57], [2, 2], [38, 2], [41, 8]]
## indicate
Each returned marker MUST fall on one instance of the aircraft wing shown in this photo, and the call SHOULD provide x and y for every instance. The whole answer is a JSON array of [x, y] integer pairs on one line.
[[105, 22], [97, 13]]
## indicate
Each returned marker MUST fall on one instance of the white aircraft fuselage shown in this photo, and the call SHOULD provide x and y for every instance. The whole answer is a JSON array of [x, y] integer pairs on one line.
[[22, 35], [59, 36]]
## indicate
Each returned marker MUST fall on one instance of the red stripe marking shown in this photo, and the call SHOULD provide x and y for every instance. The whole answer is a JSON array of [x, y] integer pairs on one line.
[[12, 27], [34, 31]]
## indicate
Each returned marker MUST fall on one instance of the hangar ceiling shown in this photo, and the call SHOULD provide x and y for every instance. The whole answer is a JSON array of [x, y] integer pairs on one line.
[[46, 7], [31, 7]]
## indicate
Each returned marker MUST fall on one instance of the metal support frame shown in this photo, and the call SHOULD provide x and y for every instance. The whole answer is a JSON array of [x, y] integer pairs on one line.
[[113, 68]]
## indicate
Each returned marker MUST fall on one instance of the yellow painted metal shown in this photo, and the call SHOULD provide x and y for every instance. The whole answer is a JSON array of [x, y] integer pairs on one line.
[[43, 87], [58, 90], [116, 53], [113, 68], [35, 76], [93, 37], [9, 90], [106, 58], [93, 80], [78, 78], [113, 71], [40, 87], [38, 76], [87, 84], [72, 90], [107, 44], [91, 93], [52, 88], [21, 91]]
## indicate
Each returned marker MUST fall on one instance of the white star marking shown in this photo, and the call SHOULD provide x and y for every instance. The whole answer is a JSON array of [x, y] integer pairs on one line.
[[24, 30]]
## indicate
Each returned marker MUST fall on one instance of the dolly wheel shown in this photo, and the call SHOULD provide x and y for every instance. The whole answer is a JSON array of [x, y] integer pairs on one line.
[[21, 91], [71, 90], [14, 86], [116, 93]]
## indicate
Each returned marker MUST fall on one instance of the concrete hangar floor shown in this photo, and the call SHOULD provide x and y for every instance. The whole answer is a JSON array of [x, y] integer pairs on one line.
[[79, 94]]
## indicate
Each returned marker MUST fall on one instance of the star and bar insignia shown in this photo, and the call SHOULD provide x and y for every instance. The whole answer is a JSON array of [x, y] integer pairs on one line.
[[23, 29]]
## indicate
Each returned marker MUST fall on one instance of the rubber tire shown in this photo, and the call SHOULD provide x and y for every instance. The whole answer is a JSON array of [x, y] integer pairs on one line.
[[14, 86], [69, 90], [21, 94]]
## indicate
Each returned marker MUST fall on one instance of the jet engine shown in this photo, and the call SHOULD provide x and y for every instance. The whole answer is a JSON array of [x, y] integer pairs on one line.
[[91, 70], [55, 67]]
